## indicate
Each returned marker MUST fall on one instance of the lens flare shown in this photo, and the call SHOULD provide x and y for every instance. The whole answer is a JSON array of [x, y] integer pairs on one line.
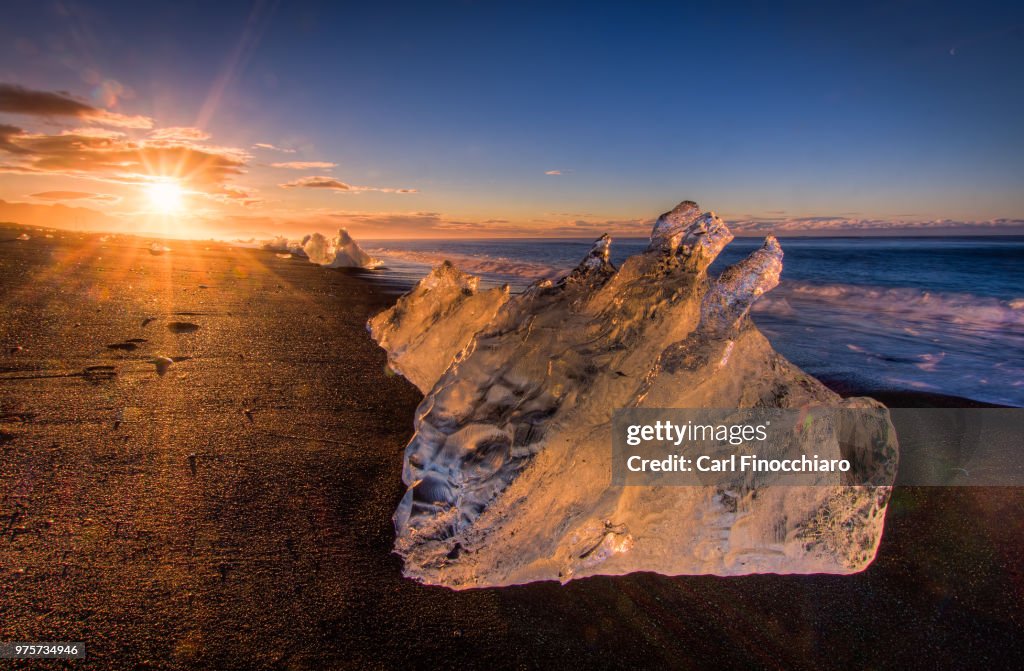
[[166, 197]]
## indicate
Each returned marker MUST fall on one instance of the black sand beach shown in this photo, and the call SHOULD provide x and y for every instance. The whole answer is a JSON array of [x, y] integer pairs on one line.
[[235, 512]]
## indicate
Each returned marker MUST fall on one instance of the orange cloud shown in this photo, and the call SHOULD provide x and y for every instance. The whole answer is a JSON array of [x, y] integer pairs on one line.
[[236, 195], [75, 195], [304, 165], [270, 147], [180, 133], [322, 182], [111, 156]]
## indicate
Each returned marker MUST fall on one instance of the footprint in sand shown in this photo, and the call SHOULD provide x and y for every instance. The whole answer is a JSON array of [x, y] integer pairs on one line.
[[96, 374], [129, 345], [183, 327]]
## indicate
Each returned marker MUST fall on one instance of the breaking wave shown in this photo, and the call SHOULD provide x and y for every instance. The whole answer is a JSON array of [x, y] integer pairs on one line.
[[907, 304], [959, 344]]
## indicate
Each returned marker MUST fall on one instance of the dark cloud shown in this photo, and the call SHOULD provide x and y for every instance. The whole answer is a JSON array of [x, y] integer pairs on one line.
[[7, 133], [840, 225], [580, 228], [16, 99], [426, 224], [20, 100]]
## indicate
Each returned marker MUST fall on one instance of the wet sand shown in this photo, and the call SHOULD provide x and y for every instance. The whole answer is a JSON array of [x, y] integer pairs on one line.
[[235, 511]]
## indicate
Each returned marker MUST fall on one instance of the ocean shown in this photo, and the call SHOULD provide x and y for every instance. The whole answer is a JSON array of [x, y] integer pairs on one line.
[[942, 315]]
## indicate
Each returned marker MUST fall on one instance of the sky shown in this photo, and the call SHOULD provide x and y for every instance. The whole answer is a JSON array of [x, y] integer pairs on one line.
[[487, 119]]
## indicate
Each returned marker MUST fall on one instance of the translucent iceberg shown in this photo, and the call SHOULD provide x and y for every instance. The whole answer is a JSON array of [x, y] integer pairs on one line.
[[282, 245], [509, 469], [440, 315], [338, 252]]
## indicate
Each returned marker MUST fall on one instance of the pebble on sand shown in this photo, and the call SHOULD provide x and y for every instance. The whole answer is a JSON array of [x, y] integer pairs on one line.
[[162, 363]]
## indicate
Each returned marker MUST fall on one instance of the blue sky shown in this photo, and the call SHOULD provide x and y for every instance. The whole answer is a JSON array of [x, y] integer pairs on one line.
[[445, 119]]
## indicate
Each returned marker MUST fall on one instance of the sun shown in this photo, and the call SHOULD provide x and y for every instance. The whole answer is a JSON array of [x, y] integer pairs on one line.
[[166, 197]]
